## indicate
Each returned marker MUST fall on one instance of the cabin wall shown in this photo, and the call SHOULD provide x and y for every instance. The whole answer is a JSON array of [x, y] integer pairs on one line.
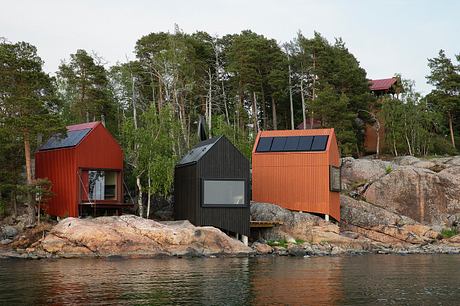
[[58, 166], [226, 162], [297, 180], [99, 150], [186, 193]]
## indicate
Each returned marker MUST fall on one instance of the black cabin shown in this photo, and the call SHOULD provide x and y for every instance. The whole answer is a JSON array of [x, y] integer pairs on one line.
[[211, 186]]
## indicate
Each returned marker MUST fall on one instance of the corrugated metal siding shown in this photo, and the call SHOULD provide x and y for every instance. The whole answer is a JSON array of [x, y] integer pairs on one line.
[[225, 161], [222, 161], [59, 167], [98, 150], [296, 180]]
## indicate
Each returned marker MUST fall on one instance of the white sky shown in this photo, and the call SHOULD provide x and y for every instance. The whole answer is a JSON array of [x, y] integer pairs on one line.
[[387, 37]]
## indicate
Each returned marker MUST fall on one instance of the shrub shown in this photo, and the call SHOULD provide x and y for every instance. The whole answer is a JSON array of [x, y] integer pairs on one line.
[[388, 169], [449, 232]]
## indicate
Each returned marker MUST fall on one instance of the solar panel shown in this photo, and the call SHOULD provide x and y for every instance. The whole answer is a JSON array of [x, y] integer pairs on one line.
[[278, 144], [264, 144], [319, 143], [71, 139], [198, 151], [291, 143], [305, 143]]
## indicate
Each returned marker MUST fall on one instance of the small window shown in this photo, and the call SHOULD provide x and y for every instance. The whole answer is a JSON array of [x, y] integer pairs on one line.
[[264, 144], [223, 192], [319, 143], [335, 181], [278, 144], [305, 143]]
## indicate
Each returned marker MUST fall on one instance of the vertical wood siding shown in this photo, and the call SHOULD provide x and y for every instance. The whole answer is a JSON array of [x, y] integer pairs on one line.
[[296, 180]]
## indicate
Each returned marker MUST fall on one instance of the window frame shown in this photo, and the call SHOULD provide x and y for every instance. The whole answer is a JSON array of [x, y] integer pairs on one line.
[[245, 193], [118, 186], [331, 187]]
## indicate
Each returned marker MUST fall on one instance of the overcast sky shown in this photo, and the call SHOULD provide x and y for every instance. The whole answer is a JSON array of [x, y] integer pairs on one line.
[[387, 37]]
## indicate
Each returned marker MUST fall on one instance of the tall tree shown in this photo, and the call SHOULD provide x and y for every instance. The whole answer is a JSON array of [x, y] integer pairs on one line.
[[28, 103], [85, 89], [445, 77]]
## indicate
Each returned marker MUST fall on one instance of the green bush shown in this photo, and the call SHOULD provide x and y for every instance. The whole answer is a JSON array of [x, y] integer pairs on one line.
[[449, 232], [442, 146], [388, 169]]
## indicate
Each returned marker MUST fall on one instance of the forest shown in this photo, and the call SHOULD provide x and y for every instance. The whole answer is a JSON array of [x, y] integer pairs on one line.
[[239, 83]]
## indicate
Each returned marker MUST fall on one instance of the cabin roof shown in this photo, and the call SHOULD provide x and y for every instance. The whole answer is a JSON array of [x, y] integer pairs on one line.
[[75, 134], [382, 84], [198, 151], [300, 141]]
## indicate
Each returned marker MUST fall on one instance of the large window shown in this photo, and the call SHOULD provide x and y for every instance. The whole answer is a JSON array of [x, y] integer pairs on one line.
[[102, 185], [224, 192], [335, 181]]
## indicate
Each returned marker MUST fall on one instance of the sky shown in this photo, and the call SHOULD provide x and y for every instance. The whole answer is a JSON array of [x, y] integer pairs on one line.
[[386, 37]]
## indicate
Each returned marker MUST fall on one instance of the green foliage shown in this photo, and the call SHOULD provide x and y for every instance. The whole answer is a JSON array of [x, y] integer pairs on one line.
[[85, 89], [279, 243], [449, 232], [388, 169], [411, 126]]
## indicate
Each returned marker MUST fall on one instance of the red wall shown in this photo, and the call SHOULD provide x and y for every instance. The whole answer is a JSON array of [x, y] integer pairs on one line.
[[59, 167], [98, 150]]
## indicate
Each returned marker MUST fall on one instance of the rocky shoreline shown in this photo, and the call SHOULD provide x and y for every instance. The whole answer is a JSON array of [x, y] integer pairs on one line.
[[403, 206]]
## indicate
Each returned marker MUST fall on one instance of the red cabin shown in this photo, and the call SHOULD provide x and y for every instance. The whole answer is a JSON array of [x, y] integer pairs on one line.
[[85, 168]]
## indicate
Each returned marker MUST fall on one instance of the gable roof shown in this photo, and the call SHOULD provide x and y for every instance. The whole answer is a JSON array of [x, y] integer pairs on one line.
[[75, 134], [382, 84], [198, 151]]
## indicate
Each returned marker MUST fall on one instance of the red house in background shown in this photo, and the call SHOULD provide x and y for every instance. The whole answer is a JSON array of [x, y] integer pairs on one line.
[[85, 168], [380, 88]]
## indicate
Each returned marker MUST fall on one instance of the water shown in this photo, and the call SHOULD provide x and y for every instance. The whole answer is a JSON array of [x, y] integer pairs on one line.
[[358, 280]]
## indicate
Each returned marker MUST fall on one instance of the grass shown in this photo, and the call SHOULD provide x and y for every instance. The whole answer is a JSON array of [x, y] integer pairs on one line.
[[388, 169], [283, 242], [449, 232]]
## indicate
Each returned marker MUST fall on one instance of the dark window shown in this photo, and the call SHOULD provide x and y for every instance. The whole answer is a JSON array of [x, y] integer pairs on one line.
[[264, 144], [319, 143], [278, 144], [305, 143], [335, 180], [291, 143]]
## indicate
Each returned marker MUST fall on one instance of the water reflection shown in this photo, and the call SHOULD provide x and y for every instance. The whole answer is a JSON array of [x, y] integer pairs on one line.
[[360, 280]]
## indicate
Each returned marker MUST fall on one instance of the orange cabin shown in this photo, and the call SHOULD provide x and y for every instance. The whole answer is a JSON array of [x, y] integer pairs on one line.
[[85, 168], [298, 170]]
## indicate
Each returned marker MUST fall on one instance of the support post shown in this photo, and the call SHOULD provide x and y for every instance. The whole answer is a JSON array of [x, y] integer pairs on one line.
[[326, 217], [244, 239]]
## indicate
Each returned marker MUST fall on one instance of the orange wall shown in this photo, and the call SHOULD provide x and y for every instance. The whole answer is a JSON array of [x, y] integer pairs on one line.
[[296, 180]]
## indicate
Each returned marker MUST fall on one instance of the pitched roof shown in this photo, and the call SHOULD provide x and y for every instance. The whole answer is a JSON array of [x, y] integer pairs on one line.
[[198, 151], [75, 134], [382, 84]]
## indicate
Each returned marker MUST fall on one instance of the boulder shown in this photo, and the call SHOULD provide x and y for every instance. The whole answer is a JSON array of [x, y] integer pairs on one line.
[[381, 225], [421, 194], [134, 236], [262, 248], [357, 172], [8, 232]]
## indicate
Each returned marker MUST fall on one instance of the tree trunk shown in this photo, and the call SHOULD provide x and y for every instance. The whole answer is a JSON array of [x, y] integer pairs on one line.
[[139, 197], [290, 95], [451, 129], [225, 103], [210, 104], [275, 122], [304, 122], [30, 198], [149, 192], [254, 109]]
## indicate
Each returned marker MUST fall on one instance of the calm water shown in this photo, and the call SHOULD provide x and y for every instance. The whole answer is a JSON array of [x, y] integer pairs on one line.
[[359, 280]]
